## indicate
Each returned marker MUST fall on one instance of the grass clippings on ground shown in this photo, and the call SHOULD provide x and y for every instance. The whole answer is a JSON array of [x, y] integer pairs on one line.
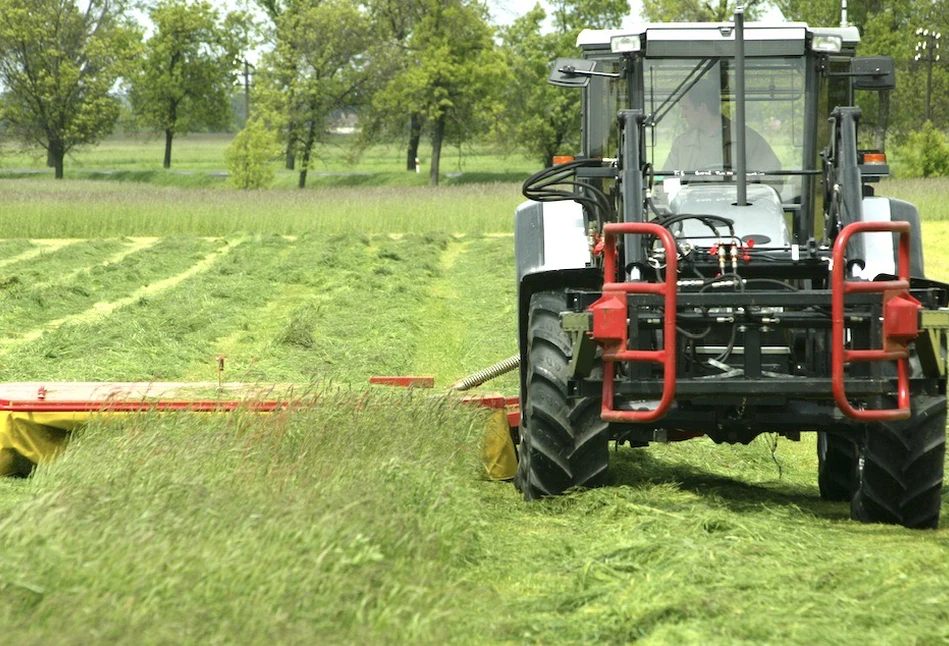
[[365, 518]]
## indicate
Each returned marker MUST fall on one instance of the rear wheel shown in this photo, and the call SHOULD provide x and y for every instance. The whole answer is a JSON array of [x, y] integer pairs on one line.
[[564, 443], [901, 473], [837, 467]]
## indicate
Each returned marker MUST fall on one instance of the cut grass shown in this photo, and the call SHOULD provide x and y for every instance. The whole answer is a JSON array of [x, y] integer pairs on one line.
[[309, 308], [131, 153], [369, 523], [705, 544], [363, 519], [469, 314], [80, 280]]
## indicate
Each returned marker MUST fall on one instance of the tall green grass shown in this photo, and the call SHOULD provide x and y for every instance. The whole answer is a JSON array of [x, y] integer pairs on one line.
[[349, 522], [364, 519], [929, 195], [48, 209], [37, 208]]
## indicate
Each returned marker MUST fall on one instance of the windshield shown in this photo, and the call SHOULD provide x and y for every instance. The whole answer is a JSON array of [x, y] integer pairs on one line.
[[690, 105]]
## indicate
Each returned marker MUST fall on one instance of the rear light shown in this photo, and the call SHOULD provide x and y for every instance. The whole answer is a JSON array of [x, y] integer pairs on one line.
[[874, 158], [563, 159]]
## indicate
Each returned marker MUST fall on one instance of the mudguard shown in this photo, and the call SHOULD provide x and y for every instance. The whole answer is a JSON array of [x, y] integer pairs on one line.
[[551, 250], [878, 250], [549, 236]]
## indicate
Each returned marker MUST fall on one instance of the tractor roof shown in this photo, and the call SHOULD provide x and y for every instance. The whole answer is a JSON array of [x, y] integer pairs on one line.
[[687, 38]]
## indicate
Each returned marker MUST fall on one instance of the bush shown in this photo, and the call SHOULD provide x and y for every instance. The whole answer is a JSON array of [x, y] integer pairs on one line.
[[250, 155], [925, 153]]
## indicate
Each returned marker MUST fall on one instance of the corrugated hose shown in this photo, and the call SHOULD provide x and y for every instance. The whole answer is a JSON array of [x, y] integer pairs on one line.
[[498, 369]]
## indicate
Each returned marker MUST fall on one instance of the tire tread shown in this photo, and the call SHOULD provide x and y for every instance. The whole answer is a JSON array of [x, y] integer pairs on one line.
[[903, 464], [562, 447]]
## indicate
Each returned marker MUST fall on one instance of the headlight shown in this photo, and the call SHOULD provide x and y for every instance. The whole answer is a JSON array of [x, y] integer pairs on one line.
[[623, 44], [827, 43]]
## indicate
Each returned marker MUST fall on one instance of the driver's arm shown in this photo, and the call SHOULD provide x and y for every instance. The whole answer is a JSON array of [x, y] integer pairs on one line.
[[760, 154]]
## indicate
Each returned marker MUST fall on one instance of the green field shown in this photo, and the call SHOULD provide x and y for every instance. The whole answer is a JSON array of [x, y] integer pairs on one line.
[[365, 519], [198, 161]]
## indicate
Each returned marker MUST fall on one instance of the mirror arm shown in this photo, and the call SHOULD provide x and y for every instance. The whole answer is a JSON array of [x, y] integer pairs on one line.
[[573, 71], [877, 74]]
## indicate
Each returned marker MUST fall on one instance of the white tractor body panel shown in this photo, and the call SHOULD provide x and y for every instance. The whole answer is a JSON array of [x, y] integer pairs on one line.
[[549, 236]]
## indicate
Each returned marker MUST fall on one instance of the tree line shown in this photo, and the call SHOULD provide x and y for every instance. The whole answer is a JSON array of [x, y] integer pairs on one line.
[[411, 70]]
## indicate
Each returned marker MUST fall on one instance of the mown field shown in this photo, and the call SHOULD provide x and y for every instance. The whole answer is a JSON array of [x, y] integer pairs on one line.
[[365, 519]]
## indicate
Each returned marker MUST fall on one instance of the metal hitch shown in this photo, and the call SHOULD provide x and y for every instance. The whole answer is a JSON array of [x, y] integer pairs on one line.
[[611, 321], [900, 321]]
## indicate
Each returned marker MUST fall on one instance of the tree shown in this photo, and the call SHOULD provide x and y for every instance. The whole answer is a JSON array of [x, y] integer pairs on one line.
[[541, 119], [455, 82], [925, 153], [315, 71], [702, 10], [920, 81], [393, 22], [274, 10], [58, 65], [571, 16], [187, 71], [816, 13], [887, 28]]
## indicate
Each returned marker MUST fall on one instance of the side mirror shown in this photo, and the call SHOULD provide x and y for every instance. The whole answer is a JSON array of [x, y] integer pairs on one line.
[[571, 72], [873, 73]]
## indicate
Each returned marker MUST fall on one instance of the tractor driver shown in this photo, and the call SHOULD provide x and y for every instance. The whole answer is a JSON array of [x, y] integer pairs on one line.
[[707, 143]]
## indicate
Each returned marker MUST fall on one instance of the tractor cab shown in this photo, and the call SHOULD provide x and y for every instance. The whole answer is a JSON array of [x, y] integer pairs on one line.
[[721, 119]]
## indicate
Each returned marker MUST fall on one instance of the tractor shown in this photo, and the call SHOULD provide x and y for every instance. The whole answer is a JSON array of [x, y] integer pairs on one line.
[[768, 289]]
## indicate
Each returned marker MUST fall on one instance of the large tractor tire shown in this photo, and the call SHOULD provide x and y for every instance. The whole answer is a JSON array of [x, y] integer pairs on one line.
[[563, 445], [837, 467], [900, 478]]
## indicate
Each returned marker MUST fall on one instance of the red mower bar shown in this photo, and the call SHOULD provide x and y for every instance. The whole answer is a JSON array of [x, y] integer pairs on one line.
[[37, 417], [403, 382], [134, 397]]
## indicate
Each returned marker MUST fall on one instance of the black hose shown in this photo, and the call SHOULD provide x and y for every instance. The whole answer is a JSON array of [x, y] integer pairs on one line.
[[557, 184]]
